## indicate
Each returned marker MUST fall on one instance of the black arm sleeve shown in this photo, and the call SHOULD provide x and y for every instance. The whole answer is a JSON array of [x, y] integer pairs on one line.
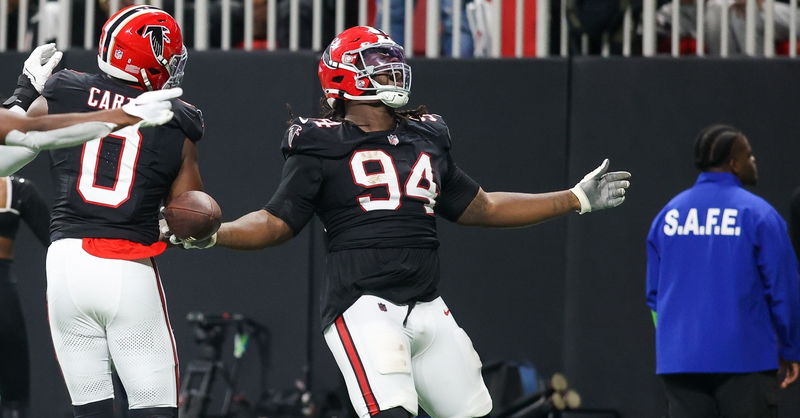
[[794, 223], [23, 95], [33, 209], [458, 191], [293, 202]]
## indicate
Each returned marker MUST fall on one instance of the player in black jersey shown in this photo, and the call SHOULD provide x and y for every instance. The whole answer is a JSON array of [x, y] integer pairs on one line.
[[377, 178], [19, 201], [21, 138], [105, 300]]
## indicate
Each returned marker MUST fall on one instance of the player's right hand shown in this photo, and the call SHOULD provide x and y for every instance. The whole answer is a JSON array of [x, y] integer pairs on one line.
[[40, 64], [153, 107], [600, 189], [189, 243]]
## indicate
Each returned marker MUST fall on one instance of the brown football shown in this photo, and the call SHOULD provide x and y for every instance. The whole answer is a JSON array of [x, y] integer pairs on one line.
[[193, 214]]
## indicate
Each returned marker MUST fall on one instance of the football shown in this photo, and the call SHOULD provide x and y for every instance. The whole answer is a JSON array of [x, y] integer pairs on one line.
[[193, 214]]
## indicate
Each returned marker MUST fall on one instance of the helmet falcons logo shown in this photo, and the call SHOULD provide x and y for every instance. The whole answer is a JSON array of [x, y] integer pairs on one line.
[[158, 35], [150, 45]]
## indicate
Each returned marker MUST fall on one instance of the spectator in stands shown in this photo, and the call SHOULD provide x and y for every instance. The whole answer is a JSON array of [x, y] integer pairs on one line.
[[306, 17], [597, 19], [13, 23], [397, 18], [724, 289], [52, 17], [737, 24]]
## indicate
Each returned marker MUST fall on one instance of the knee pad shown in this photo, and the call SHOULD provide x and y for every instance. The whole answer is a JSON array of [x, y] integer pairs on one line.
[[396, 412], [153, 413], [99, 409]]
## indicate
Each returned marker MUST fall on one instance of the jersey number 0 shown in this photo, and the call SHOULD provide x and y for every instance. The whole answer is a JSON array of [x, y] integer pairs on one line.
[[120, 191], [388, 178]]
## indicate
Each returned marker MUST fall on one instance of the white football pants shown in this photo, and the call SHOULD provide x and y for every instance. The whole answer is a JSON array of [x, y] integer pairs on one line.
[[428, 361], [105, 311]]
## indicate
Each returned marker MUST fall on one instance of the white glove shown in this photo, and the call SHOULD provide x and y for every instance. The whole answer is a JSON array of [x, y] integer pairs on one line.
[[40, 64], [600, 190], [153, 107], [14, 158], [60, 138], [188, 243]]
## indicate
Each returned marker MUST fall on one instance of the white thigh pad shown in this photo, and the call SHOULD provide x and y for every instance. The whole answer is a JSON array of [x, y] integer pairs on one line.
[[389, 350]]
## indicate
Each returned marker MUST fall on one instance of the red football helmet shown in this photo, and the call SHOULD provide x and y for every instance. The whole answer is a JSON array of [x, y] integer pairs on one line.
[[349, 64], [143, 44]]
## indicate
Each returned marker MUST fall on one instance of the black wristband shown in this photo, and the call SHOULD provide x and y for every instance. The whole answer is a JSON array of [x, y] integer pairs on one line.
[[23, 95]]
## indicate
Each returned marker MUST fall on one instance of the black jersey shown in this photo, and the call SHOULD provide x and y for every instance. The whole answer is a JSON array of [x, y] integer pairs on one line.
[[23, 201], [377, 195], [112, 187]]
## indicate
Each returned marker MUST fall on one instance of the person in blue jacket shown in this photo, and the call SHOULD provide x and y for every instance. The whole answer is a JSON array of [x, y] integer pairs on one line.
[[794, 228], [724, 289]]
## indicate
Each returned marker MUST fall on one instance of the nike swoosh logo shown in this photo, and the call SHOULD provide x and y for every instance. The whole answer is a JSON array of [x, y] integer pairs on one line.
[[303, 120]]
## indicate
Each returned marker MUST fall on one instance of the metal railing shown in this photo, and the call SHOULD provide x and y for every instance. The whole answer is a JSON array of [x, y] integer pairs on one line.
[[719, 27]]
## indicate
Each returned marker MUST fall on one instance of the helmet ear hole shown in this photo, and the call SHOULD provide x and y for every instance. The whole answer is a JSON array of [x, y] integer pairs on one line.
[[338, 79], [153, 71]]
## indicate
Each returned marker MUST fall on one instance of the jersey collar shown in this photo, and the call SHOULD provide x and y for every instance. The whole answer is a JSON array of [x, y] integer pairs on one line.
[[718, 178]]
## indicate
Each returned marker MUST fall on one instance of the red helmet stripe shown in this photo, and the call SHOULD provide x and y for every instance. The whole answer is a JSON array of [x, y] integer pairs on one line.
[[116, 24]]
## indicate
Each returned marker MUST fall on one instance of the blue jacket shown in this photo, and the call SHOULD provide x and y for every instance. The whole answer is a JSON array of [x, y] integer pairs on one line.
[[723, 280]]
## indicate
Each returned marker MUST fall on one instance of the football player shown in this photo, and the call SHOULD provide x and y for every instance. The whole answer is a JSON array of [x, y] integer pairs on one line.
[[21, 201], [105, 299], [377, 178], [22, 138]]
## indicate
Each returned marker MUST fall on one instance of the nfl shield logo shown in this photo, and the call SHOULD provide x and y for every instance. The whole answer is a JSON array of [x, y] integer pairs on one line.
[[118, 54], [393, 139], [382, 307]]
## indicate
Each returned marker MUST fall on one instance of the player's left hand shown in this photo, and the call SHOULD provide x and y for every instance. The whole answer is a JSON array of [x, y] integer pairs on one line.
[[153, 107], [40, 64], [600, 189]]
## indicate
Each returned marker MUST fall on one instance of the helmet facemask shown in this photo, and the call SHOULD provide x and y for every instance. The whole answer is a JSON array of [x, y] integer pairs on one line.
[[389, 61], [175, 68]]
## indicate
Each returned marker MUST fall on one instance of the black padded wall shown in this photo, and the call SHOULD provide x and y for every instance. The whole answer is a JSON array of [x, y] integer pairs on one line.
[[644, 114]]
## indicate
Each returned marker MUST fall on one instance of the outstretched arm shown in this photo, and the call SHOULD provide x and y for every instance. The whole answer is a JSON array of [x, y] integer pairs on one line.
[[256, 230], [149, 109], [596, 191], [288, 211], [503, 209], [10, 121]]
